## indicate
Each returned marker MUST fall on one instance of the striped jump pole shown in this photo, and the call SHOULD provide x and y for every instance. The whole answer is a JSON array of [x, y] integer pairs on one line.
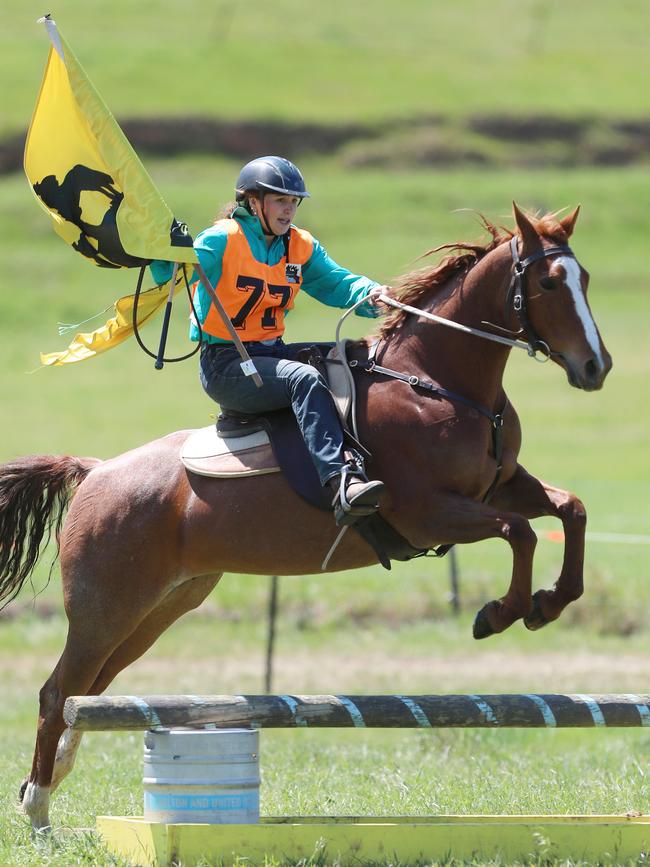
[[107, 713]]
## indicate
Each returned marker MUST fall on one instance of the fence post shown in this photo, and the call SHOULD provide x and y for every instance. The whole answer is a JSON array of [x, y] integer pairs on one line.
[[454, 592], [270, 641]]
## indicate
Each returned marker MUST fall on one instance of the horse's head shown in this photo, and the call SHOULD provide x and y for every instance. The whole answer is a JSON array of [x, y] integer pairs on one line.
[[549, 295]]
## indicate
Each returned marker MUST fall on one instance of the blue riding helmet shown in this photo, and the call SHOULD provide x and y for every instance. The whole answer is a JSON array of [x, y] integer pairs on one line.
[[270, 174]]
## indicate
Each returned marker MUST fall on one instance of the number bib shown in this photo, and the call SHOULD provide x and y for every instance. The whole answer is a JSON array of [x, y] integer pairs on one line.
[[254, 295]]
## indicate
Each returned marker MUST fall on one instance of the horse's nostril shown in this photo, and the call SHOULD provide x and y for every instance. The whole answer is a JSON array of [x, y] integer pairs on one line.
[[591, 369]]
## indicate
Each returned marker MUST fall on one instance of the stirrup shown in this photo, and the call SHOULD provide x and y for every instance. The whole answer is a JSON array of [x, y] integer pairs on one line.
[[348, 511], [237, 424]]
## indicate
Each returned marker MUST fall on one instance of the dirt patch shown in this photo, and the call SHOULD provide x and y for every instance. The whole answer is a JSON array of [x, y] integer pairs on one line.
[[372, 670]]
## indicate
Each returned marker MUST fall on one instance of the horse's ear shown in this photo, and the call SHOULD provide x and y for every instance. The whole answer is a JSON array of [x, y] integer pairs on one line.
[[568, 223], [528, 233]]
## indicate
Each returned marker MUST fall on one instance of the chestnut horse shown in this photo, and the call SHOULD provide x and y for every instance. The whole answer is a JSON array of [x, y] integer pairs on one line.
[[145, 541]]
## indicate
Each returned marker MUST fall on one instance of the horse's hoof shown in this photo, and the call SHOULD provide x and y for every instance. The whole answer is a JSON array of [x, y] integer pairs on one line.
[[535, 619], [22, 790], [481, 627]]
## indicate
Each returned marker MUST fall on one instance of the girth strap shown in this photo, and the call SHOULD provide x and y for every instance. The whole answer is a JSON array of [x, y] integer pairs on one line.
[[496, 419]]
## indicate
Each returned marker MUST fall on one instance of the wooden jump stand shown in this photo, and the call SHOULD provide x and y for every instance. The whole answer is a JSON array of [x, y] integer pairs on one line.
[[364, 838]]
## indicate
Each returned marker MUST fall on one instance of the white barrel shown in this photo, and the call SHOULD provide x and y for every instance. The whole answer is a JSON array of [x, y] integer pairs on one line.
[[202, 776]]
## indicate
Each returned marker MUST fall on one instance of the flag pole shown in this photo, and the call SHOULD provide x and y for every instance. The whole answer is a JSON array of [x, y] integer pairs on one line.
[[247, 363], [52, 32]]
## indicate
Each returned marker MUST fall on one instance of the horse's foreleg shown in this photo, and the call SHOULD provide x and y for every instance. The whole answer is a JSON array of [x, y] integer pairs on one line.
[[454, 519], [533, 498]]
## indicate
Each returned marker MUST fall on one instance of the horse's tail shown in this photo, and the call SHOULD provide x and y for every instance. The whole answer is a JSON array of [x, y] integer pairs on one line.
[[34, 493]]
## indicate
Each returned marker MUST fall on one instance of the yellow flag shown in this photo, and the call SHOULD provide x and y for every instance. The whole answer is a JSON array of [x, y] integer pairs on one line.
[[88, 177], [117, 329]]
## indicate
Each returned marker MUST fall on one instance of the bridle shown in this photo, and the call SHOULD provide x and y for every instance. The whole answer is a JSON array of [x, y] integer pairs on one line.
[[517, 293], [516, 297]]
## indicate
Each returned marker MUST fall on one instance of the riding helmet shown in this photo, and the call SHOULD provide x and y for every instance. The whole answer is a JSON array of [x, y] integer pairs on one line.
[[270, 174]]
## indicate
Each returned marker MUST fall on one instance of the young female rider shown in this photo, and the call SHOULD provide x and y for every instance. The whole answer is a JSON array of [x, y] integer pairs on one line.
[[257, 260]]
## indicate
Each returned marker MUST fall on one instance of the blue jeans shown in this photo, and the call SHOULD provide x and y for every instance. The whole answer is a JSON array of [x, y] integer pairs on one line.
[[286, 383]]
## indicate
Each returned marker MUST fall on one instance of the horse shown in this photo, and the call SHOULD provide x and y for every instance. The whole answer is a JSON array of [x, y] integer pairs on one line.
[[145, 541]]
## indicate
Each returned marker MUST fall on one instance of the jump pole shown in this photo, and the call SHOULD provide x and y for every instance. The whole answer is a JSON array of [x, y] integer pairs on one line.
[[109, 713], [590, 838]]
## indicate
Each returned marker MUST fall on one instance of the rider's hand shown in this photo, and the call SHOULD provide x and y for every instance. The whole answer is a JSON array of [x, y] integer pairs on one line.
[[375, 293]]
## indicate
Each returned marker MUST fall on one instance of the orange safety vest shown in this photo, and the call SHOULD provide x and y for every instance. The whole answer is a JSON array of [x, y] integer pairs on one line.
[[255, 295]]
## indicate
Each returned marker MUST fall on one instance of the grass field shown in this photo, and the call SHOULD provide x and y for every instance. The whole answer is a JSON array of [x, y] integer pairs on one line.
[[340, 62], [345, 772]]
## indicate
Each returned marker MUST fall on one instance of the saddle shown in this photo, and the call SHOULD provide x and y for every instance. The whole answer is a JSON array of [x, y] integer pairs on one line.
[[275, 444], [254, 445]]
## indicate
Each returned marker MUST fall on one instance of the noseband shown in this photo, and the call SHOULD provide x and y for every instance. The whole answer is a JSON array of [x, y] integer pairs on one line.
[[517, 295]]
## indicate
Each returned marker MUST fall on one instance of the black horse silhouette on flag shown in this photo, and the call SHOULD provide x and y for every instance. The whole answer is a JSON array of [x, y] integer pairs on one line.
[[107, 250]]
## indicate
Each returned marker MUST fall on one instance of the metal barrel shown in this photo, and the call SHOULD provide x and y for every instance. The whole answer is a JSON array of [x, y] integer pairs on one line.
[[205, 776]]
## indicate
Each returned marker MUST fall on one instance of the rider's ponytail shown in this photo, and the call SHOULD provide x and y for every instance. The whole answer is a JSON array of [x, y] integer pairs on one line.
[[225, 211]]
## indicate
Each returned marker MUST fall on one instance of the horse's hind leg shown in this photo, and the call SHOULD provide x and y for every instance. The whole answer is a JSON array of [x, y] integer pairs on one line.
[[66, 753], [179, 601], [533, 499], [97, 625], [85, 669], [74, 674]]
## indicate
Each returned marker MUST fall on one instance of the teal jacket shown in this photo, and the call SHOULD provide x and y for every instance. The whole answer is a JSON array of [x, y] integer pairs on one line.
[[322, 278]]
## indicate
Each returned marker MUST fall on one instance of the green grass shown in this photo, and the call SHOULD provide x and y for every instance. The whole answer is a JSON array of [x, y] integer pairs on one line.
[[354, 773], [338, 772], [339, 62]]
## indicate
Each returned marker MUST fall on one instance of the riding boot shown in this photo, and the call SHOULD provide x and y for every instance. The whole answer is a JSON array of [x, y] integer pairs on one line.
[[238, 424], [355, 496]]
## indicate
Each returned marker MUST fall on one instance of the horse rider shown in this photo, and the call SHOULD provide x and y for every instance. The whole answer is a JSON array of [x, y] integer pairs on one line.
[[258, 261]]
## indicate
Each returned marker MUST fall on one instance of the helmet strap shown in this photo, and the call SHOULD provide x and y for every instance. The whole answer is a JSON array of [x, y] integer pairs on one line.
[[266, 228], [264, 223]]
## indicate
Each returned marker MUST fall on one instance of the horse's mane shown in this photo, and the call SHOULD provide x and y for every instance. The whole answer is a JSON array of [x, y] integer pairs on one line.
[[411, 287]]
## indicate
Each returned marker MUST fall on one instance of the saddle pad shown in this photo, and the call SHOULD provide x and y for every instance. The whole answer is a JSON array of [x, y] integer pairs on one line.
[[207, 454]]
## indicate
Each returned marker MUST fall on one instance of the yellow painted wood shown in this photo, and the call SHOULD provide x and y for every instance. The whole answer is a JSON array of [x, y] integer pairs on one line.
[[354, 839]]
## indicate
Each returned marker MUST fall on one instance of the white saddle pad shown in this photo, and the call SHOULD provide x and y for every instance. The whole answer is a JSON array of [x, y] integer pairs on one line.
[[207, 454]]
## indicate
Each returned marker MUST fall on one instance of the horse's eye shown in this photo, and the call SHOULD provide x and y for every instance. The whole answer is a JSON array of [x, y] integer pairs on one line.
[[548, 283]]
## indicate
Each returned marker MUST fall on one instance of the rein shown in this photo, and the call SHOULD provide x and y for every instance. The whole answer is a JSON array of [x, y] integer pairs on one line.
[[516, 295], [487, 335]]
